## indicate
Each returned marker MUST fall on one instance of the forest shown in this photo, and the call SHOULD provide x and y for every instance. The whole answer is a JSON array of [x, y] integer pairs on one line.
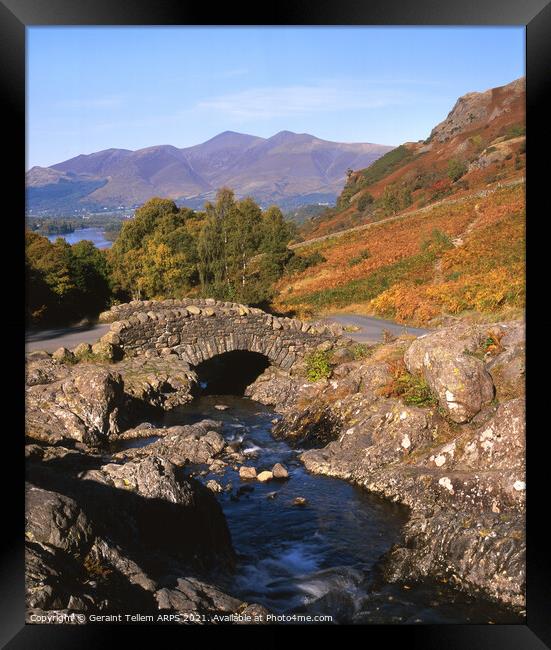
[[232, 250]]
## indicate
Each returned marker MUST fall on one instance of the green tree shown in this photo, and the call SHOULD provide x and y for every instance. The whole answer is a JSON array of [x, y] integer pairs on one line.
[[91, 273], [64, 282], [244, 237], [145, 221], [456, 169], [365, 200]]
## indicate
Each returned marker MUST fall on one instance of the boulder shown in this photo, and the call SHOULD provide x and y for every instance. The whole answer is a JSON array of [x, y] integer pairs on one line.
[[280, 471], [57, 520], [247, 473], [63, 355], [147, 505], [214, 486], [459, 379], [105, 351], [83, 404], [111, 337], [82, 350], [265, 476], [190, 596]]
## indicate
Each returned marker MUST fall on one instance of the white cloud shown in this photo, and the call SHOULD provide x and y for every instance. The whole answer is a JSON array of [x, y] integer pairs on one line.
[[272, 101]]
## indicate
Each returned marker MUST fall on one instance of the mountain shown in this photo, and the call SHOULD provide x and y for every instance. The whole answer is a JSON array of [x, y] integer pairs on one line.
[[482, 136], [288, 168]]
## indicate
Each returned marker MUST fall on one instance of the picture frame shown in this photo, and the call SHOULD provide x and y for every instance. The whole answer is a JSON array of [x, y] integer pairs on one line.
[[16, 16]]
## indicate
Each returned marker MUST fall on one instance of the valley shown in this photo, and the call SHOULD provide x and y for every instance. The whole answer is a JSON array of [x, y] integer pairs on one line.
[[231, 414]]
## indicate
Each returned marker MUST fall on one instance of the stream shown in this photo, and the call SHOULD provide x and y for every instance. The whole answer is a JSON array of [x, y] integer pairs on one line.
[[319, 558]]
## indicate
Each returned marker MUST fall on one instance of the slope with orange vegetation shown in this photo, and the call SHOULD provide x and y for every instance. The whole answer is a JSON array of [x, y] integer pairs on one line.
[[437, 226], [481, 140], [451, 259]]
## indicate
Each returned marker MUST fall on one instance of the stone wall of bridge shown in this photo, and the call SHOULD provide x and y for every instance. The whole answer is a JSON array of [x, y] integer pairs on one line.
[[197, 330]]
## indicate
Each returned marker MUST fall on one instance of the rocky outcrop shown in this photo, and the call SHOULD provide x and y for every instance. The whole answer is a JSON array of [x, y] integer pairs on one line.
[[474, 110], [459, 466], [93, 402], [77, 402], [108, 537], [160, 382], [274, 387], [192, 443]]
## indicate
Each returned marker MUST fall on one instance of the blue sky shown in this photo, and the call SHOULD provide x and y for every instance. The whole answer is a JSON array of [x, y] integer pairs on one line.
[[94, 88]]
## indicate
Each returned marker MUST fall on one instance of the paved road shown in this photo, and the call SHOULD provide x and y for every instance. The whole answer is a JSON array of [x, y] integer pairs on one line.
[[371, 329], [66, 337]]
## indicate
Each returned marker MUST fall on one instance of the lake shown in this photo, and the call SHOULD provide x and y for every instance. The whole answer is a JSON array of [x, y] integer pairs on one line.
[[95, 235]]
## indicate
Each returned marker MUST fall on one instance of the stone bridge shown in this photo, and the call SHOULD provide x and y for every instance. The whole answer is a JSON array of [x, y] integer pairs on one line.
[[199, 329]]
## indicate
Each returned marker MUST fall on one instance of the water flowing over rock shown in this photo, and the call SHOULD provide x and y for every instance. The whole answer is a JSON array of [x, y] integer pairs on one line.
[[111, 528], [112, 537], [460, 468]]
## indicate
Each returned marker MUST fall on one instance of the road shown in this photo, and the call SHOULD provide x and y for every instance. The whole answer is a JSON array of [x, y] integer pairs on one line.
[[63, 337], [371, 329]]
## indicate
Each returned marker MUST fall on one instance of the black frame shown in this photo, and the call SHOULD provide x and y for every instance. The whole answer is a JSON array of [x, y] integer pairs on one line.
[[15, 16]]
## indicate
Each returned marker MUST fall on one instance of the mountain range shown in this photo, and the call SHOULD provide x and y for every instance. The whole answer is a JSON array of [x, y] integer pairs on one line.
[[288, 169]]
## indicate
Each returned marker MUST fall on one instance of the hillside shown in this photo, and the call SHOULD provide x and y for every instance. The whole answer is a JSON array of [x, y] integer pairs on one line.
[[289, 169], [481, 141], [435, 229]]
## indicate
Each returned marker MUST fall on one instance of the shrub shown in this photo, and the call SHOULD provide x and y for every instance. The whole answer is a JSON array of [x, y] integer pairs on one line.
[[456, 169], [438, 242], [515, 131], [365, 201], [318, 366], [477, 142], [297, 264], [413, 390], [358, 259], [361, 351], [395, 199]]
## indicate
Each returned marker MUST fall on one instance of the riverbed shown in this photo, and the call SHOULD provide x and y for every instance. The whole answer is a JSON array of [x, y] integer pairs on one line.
[[320, 558]]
